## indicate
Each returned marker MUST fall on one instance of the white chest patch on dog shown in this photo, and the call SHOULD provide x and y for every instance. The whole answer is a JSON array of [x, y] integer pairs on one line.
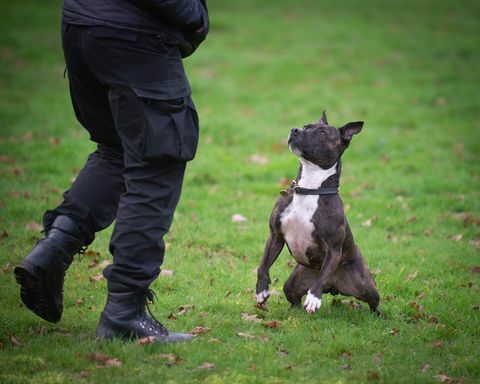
[[296, 220]]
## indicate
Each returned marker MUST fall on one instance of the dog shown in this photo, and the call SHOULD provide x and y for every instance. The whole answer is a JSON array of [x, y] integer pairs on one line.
[[309, 218]]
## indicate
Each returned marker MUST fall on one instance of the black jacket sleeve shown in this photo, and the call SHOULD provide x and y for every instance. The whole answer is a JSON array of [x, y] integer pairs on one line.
[[184, 14]]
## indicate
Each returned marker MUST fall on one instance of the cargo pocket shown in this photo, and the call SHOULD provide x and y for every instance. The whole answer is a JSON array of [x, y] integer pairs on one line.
[[170, 121]]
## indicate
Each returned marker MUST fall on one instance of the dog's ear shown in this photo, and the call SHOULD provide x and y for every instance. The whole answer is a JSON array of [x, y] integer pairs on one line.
[[323, 119], [350, 129]]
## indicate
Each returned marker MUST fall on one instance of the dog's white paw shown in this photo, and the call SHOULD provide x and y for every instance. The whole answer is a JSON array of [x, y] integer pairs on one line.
[[312, 303], [263, 296]]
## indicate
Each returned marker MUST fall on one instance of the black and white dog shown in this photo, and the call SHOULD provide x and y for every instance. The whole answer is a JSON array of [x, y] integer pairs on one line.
[[309, 218]]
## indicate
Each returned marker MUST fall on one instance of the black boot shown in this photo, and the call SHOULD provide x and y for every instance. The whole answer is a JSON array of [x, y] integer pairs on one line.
[[42, 272], [124, 317]]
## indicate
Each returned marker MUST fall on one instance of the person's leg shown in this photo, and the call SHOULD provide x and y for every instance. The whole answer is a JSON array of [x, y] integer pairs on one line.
[[91, 203], [155, 119]]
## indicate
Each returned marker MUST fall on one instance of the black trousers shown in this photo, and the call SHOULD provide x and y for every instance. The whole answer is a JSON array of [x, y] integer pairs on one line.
[[130, 92]]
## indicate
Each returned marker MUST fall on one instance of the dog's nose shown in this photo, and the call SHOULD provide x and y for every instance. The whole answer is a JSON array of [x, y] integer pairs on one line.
[[295, 131]]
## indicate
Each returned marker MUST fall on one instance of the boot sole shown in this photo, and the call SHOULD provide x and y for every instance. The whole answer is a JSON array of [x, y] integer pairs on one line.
[[35, 294]]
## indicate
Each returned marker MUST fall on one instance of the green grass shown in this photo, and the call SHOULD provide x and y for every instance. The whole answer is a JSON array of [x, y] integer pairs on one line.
[[410, 70]]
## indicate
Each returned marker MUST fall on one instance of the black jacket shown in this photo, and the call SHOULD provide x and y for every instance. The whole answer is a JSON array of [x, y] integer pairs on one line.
[[181, 22]]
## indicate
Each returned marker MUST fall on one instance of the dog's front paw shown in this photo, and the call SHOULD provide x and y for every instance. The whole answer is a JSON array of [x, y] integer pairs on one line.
[[312, 303], [263, 296]]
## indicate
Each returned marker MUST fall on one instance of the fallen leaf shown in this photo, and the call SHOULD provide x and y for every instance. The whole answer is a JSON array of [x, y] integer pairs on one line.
[[393, 331], [347, 367], [377, 359], [474, 269], [7, 159], [171, 359], [206, 365], [7, 268], [3, 234], [411, 276], [82, 374], [80, 301], [245, 335], [166, 272], [290, 264], [258, 159], [54, 140], [271, 324], [15, 171], [475, 242], [199, 330], [410, 219], [113, 363], [421, 296], [428, 232], [262, 307], [95, 278], [15, 342], [458, 237], [425, 367], [34, 226], [373, 375], [437, 344], [214, 340], [283, 353], [252, 367], [254, 318], [369, 222], [227, 294], [444, 378], [27, 136], [147, 340], [238, 218], [184, 309], [103, 360], [347, 354]]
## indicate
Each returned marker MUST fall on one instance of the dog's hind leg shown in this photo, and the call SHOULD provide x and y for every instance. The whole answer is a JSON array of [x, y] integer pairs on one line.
[[354, 279], [298, 284]]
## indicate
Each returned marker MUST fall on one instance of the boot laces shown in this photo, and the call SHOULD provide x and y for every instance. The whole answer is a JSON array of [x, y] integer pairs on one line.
[[150, 320]]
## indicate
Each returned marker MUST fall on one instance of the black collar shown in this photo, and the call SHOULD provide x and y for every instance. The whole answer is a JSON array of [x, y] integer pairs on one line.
[[294, 188]]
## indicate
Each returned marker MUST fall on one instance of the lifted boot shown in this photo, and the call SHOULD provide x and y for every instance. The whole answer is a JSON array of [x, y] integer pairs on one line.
[[124, 317], [41, 274]]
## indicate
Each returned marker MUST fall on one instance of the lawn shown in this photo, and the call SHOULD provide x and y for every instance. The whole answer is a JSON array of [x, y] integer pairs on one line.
[[410, 184]]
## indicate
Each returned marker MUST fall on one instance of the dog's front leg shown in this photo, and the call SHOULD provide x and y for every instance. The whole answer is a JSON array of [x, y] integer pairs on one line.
[[314, 296], [273, 248]]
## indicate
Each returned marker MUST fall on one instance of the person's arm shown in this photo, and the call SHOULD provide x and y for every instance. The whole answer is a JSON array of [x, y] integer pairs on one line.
[[185, 14]]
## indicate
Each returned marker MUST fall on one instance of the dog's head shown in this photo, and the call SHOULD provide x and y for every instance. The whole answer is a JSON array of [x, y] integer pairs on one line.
[[320, 143]]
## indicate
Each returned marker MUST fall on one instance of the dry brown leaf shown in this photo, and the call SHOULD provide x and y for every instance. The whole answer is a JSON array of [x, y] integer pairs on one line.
[[199, 330], [147, 340], [15, 171], [393, 331], [206, 365], [245, 335], [184, 309], [411, 276], [271, 324], [425, 367], [171, 358], [437, 344], [7, 159], [474, 269], [103, 360], [95, 278], [444, 378], [410, 219], [258, 159], [248, 317], [458, 237], [238, 218], [166, 272], [373, 375], [347, 367], [7, 268], [15, 342], [475, 242], [262, 307], [283, 353], [377, 359], [34, 226], [113, 363], [369, 222]]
